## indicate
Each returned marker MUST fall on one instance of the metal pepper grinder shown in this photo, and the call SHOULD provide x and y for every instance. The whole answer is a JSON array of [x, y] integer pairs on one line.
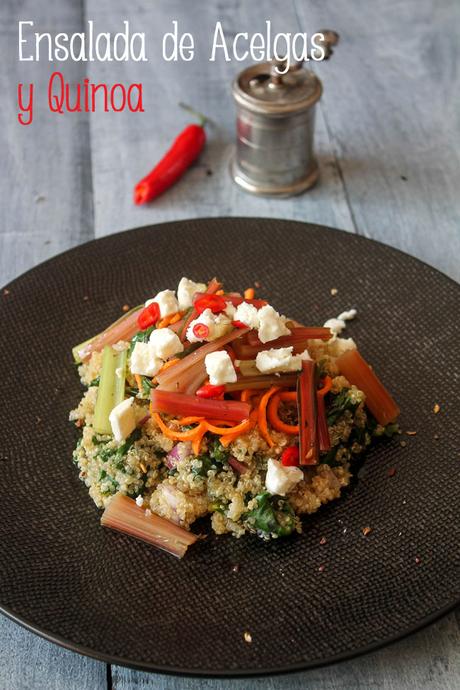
[[275, 124]]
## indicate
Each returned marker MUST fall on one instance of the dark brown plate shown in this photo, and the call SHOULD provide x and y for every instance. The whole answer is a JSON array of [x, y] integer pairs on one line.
[[305, 604]]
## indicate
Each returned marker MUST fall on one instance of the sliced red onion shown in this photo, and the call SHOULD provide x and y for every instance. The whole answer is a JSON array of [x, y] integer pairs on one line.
[[178, 453], [238, 466]]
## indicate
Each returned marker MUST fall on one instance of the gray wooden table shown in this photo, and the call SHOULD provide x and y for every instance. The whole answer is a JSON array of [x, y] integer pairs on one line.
[[387, 138]]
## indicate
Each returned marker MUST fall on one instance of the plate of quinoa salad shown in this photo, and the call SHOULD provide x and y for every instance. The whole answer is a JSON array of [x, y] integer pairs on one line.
[[203, 402], [261, 470]]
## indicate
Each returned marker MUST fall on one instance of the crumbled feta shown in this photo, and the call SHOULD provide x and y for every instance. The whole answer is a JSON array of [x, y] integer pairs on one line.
[[166, 300], [337, 325], [144, 361], [165, 343], [271, 324], [218, 325], [185, 291], [230, 310], [122, 420], [247, 314], [281, 480], [219, 368], [139, 501], [280, 359]]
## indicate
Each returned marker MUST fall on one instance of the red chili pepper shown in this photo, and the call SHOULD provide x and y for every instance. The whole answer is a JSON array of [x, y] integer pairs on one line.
[[210, 391], [239, 324], [185, 150], [200, 330], [290, 456], [148, 316], [215, 303]]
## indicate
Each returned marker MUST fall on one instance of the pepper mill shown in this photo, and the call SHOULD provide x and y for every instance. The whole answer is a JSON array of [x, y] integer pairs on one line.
[[275, 124]]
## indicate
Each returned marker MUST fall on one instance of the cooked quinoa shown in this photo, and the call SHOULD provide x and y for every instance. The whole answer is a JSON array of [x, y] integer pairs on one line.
[[188, 486]]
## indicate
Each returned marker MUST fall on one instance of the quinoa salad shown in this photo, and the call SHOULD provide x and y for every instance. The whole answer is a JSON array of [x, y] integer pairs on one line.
[[203, 402]]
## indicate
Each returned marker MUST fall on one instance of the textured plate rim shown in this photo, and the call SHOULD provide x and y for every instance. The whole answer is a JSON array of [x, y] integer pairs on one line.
[[234, 673]]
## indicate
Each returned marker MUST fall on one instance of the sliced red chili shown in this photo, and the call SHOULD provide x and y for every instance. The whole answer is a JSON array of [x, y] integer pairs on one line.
[[215, 303], [239, 324], [290, 456], [200, 330], [148, 316], [210, 391]]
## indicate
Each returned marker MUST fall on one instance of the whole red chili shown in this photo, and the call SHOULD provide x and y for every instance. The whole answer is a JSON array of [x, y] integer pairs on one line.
[[185, 150], [215, 303], [148, 316], [290, 456], [200, 330], [210, 391]]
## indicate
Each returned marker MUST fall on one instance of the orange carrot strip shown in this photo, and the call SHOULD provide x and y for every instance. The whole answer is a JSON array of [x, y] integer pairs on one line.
[[178, 435], [220, 292], [223, 422], [238, 429], [176, 317], [248, 393], [249, 293], [327, 384], [168, 364], [262, 415], [190, 420], [250, 424], [274, 419], [138, 381], [196, 443]]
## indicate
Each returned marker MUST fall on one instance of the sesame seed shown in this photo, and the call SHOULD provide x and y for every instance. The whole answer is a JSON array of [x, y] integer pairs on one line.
[[334, 291], [366, 530], [247, 637], [411, 433]]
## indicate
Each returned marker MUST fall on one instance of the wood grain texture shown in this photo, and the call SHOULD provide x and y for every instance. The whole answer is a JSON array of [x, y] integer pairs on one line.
[[125, 146], [394, 121], [387, 114]]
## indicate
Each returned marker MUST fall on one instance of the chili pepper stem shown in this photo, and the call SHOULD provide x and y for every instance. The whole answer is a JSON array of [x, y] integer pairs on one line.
[[202, 119]]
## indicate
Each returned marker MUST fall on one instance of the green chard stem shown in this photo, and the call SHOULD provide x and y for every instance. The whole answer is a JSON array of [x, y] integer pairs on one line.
[[111, 389]]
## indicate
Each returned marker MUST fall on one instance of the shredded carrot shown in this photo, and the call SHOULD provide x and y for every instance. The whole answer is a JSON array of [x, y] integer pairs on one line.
[[274, 419], [327, 384], [164, 322], [189, 420], [221, 422], [179, 435], [196, 443], [168, 364], [248, 393], [262, 415], [220, 292], [249, 424], [249, 293], [176, 317], [138, 382]]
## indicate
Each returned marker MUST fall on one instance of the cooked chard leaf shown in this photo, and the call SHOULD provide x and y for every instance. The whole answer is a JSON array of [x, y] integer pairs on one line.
[[339, 404], [273, 515]]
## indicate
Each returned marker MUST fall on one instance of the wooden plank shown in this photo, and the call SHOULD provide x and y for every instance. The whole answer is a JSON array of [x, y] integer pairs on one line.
[[125, 146], [45, 203], [392, 115], [28, 662], [430, 659]]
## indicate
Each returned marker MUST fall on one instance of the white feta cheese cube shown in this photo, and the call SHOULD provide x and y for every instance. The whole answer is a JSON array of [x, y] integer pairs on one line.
[[185, 291], [122, 420], [280, 480], [271, 324], [217, 326], [166, 300], [278, 360], [219, 368], [139, 501], [247, 314], [144, 361], [165, 343]]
